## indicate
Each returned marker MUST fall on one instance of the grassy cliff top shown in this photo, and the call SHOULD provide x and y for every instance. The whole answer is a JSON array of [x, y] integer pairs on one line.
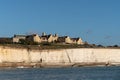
[[44, 46]]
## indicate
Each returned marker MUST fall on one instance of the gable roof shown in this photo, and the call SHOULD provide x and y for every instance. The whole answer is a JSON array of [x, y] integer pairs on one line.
[[31, 35], [62, 39], [46, 36], [75, 39], [19, 35]]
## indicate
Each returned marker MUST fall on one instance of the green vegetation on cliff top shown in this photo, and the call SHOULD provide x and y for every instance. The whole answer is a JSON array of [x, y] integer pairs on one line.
[[43, 46]]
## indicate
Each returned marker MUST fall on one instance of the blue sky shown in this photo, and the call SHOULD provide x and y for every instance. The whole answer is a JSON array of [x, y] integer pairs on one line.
[[96, 21]]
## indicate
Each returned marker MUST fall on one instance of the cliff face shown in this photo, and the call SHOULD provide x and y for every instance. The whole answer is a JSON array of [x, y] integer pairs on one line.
[[62, 56]]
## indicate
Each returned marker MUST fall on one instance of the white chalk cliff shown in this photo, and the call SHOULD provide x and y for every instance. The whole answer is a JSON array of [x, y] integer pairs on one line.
[[64, 56]]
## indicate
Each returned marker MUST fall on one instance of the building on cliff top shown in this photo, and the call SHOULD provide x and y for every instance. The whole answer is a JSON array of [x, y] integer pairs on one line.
[[33, 38], [68, 40], [47, 38], [64, 39], [77, 41], [16, 38]]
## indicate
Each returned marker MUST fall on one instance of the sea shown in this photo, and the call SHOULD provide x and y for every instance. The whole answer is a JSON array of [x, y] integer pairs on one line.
[[71, 73]]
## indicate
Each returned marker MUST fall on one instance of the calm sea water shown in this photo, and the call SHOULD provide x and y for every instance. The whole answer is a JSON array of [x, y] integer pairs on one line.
[[80, 73]]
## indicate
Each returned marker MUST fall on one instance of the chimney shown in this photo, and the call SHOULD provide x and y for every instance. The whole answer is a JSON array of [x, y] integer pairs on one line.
[[56, 35], [43, 34]]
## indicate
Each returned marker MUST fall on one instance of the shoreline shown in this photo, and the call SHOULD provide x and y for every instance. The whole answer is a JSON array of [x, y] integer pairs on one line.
[[54, 65]]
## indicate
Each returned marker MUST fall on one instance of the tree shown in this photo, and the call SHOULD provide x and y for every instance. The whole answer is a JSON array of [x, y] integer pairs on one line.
[[115, 46]]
